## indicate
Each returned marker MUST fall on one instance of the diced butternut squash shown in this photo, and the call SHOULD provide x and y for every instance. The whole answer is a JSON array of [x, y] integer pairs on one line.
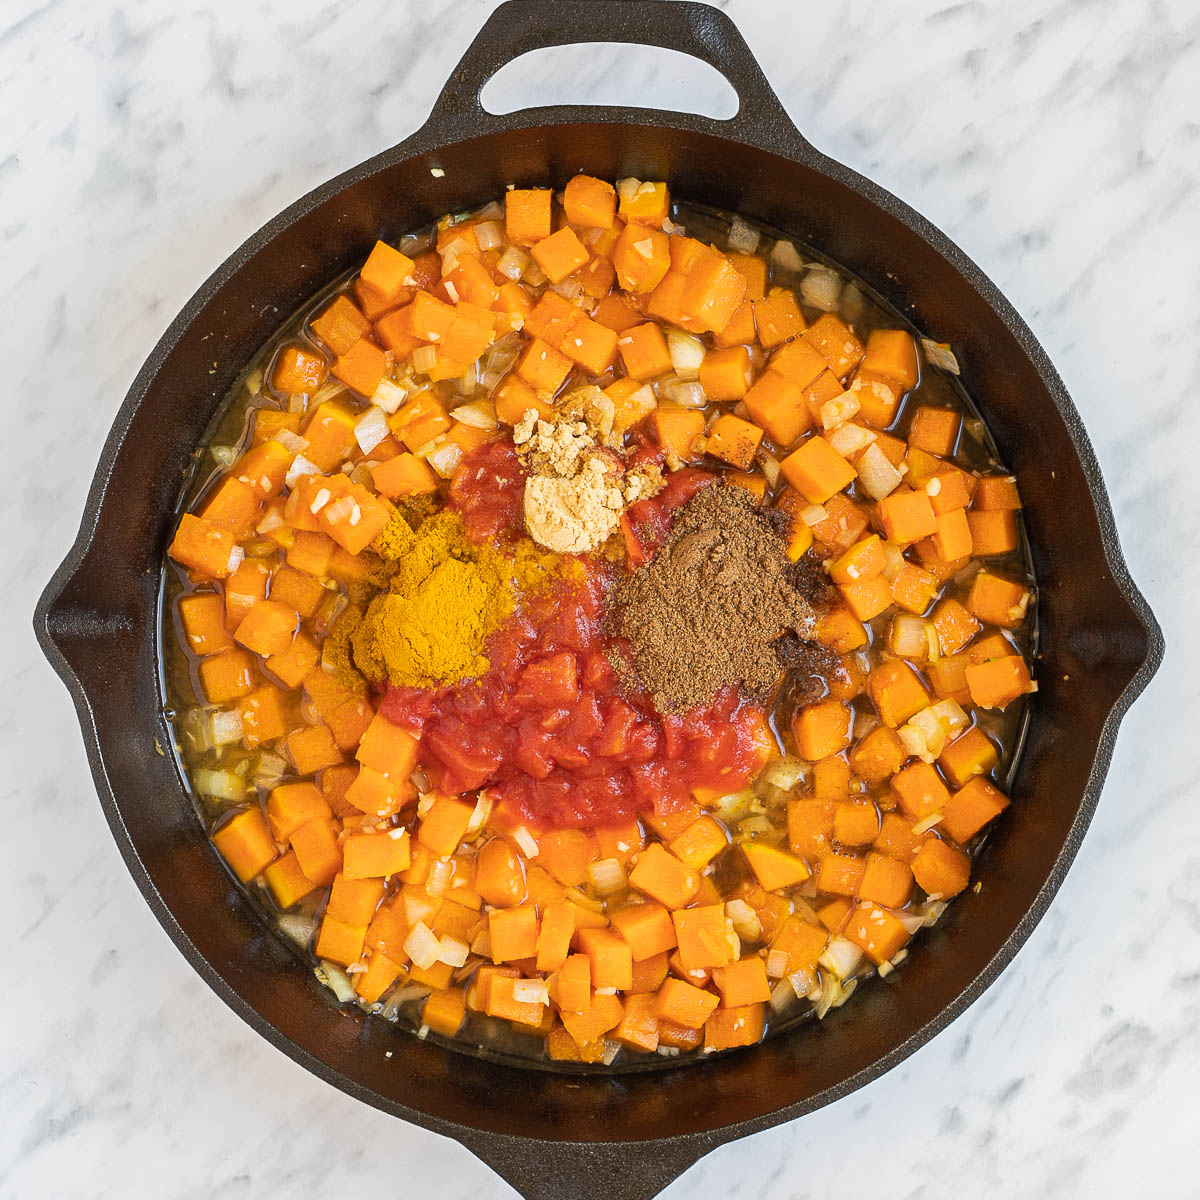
[[590, 201], [817, 471], [661, 876], [246, 843], [527, 215], [774, 868], [734, 441], [941, 870]]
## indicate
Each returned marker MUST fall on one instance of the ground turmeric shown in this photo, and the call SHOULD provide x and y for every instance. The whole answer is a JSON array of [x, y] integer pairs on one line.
[[446, 597]]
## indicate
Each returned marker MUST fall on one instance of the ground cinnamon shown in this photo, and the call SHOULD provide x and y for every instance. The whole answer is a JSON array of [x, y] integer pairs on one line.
[[709, 609]]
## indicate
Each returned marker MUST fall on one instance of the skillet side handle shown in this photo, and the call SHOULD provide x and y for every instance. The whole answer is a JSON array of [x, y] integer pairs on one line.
[[519, 26], [588, 1170]]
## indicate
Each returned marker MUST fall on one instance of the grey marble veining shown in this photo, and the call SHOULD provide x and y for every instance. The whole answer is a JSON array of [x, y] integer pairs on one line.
[[1058, 143]]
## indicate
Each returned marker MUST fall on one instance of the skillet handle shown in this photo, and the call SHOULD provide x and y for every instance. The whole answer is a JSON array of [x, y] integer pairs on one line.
[[704, 32]]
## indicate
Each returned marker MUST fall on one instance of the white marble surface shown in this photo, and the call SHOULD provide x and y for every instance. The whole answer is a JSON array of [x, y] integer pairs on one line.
[[1058, 144]]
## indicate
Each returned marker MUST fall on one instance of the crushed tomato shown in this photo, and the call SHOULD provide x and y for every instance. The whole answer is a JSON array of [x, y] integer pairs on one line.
[[549, 729]]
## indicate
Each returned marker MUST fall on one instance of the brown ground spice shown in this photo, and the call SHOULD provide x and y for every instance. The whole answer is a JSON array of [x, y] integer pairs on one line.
[[710, 607]]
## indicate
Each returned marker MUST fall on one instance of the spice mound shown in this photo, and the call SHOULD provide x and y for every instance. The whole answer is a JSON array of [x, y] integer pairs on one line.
[[577, 487], [707, 609], [446, 597]]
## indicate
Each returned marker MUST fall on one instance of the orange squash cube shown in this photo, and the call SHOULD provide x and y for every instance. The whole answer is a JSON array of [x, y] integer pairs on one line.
[[776, 404], [527, 215], [774, 868], [970, 808], [559, 255], [778, 318], [971, 754], [941, 870], [542, 367], [246, 843], [817, 471], [742, 982], [590, 201], [340, 324], [833, 340], [892, 353], [734, 441], [641, 257], [993, 531], [997, 682], [725, 374]]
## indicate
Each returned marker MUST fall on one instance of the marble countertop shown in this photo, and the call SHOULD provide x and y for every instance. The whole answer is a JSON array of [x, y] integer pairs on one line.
[[1059, 145]]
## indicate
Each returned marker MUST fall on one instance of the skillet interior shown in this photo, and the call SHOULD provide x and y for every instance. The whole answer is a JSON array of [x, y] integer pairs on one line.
[[99, 626]]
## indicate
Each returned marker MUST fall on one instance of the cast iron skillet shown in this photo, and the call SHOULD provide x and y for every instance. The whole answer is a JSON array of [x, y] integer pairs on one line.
[[552, 1134]]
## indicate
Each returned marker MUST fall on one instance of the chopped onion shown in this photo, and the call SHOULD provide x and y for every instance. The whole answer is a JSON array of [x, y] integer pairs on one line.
[[570, 288], [939, 354], [839, 410], [413, 244], [831, 989], [894, 565], [222, 785], [606, 875], [418, 908], [911, 921], [422, 946], [756, 824], [197, 729], [226, 727], [389, 396], [342, 508], [850, 439], [269, 769], [424, 359], [770, 467], [512, 263], [438, 879], [530, 991], [467, 380], [820, 288], [745, 920], [687, 394], [927, 823], [298, 927], [743, 238], [786, 773], [687, 353], [292, 442], [841, 956], [876, 473], [480, 414], [452, 952], [483, 810], [783, 254], [906, 637], [300, 467], [445, 459], [533, 274], [489, 235], [370, 429], [525, 841], [272, 520], [814, 514], [777, 964], [337, 980]]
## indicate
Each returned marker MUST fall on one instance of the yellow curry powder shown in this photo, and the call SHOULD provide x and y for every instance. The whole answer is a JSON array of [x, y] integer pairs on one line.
[[446, 597]]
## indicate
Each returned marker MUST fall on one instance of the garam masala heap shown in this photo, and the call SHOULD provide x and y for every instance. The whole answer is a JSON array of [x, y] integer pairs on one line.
[[607, 634]]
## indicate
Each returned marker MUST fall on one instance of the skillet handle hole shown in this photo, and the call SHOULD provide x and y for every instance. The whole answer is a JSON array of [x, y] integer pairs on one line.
[[610, 74]]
